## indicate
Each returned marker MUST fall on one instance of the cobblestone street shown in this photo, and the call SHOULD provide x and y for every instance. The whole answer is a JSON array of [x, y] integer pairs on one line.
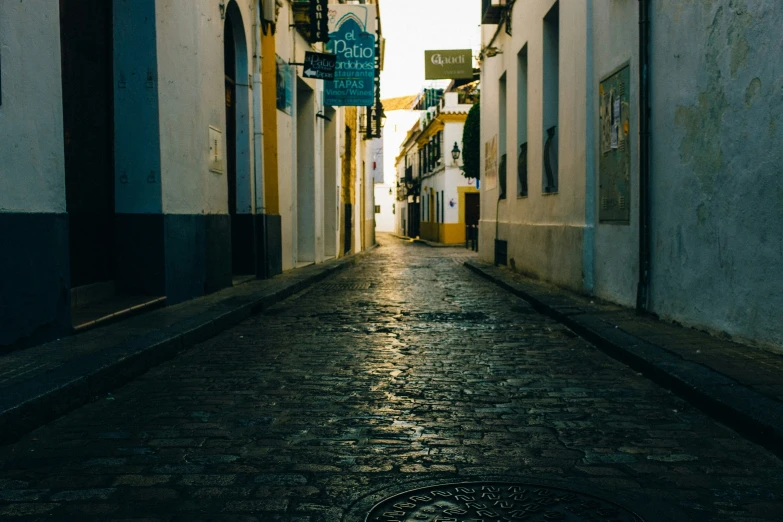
[[403, 370]]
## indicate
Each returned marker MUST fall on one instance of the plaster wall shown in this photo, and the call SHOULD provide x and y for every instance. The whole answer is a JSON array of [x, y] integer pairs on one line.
[[402, 206], [375, 160], [32, 162], [360, 189], [384, 221], [192, 97], [616, 251], [286, 144], [331, 191], [309, 177], [453, 178], [544, 231], [397, 125], [369, 211], [716, 188]]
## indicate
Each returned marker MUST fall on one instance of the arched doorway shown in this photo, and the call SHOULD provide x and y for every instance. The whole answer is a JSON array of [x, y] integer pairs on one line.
[[238, 170]]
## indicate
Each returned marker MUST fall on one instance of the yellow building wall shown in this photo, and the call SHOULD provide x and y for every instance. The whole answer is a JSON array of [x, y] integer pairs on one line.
[[269, 106], [447, 233]]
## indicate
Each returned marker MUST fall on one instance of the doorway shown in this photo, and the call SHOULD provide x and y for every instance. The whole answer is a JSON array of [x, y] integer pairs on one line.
[[86, 45], [414, 219], [472, 208], [305, 174], [238, 170]]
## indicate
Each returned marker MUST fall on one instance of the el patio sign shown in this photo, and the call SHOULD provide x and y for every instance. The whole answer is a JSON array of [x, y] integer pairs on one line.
[[352, 40], [452, 64]]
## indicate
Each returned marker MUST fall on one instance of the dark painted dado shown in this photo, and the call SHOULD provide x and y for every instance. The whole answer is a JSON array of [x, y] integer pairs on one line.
[[242, 244], [198, 255], [139, 247], [34, 278], [185, 257], [270, 245], [177, 256], [217, 242]]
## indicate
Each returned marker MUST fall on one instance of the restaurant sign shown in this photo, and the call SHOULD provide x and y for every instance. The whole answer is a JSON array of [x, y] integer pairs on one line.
[[319, 65], [352, 40], [319, 23], [450, 64]]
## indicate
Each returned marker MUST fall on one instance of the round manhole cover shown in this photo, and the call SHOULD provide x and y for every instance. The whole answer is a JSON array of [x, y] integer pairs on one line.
[[497, 502]]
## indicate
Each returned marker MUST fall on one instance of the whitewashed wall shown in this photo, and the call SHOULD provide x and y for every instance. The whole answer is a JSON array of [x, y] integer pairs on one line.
[[192, 98], [544, 231], [32, 163]]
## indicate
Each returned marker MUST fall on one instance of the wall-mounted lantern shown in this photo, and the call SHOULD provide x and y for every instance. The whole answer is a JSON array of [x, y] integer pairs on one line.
[[455, 152]]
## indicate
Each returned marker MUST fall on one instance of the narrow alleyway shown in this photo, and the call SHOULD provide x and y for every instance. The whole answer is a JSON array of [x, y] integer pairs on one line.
[[401, 371]]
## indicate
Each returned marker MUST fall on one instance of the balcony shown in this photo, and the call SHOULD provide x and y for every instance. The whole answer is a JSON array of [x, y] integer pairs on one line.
[[492, 11]]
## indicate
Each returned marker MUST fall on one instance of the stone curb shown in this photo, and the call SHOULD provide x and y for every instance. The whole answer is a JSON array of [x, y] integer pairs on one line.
[[755, 416], [31, 404]]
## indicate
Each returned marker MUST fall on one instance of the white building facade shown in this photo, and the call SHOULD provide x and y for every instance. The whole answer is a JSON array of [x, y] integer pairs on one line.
[[594, 205], [168, 150]]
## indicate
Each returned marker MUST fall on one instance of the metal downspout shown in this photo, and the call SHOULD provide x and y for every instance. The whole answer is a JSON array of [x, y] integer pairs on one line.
[[643, 288], [258, 143], [588, 241]]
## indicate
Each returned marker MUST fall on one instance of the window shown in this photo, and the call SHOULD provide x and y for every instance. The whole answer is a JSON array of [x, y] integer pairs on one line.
[[551, 97], [503, 122], [377, 209], [522, 123]]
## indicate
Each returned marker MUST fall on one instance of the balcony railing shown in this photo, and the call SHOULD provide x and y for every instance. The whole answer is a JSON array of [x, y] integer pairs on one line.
[[492, 11]]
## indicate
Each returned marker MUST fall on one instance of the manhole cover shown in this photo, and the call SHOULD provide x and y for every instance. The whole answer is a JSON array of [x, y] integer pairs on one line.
[[496, 502]]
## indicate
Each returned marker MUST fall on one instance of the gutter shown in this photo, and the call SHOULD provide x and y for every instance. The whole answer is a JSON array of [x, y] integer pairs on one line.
[[588, 242], [643, 288], [258, 140]]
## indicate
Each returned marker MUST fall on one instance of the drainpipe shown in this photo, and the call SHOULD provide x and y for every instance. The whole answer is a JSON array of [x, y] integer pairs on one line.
[[258, 140], [588, 244], [643, 289]]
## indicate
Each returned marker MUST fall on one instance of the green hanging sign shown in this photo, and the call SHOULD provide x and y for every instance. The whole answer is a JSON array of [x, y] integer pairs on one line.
[[352, 40], [448, 65]]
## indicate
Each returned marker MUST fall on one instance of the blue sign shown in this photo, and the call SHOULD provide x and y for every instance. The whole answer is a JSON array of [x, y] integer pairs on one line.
[[354, 76]]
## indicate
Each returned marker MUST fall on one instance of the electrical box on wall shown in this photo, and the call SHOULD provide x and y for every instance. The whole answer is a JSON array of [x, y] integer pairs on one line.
[[614, 166], [215, 150]]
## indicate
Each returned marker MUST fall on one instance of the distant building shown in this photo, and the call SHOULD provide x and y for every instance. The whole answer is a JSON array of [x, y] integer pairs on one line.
[[400, 115], [436, 199]]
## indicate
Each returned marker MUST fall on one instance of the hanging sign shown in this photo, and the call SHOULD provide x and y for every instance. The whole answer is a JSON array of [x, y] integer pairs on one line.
[[451, 65], [352, 40], [319, 65], [319, 20], [285, 86]]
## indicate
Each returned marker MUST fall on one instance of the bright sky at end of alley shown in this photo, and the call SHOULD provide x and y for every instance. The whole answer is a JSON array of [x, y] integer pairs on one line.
[[413, 26]]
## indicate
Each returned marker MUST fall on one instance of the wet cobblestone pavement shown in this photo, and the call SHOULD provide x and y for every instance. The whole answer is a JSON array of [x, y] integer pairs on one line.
[[402, 371]]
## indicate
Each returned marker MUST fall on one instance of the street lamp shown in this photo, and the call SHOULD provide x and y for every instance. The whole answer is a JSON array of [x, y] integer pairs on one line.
[[455, 152]]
